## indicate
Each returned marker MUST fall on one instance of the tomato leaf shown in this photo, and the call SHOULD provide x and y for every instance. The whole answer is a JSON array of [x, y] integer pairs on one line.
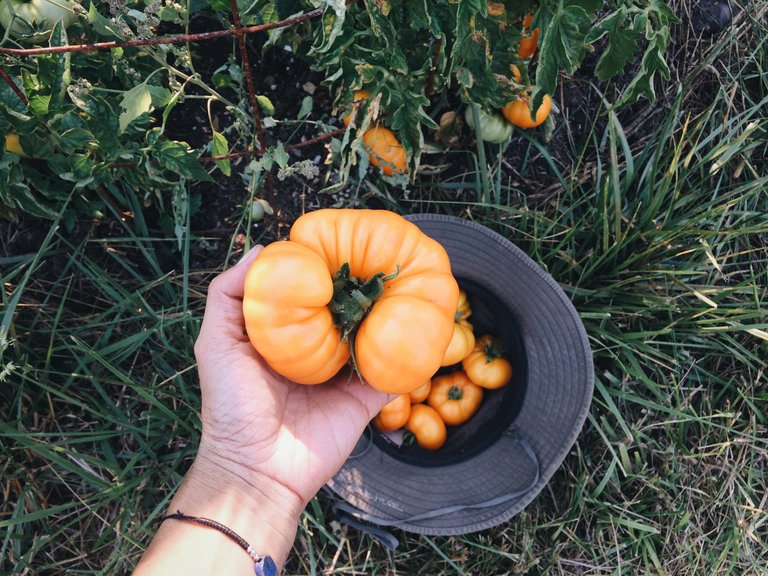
[[220, 147], [621, 48], [103, 26], [178, 158]]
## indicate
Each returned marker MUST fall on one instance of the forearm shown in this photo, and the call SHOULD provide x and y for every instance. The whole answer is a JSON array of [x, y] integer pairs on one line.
[[265, 515]]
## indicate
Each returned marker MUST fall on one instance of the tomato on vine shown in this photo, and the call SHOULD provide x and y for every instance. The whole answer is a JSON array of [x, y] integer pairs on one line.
[[385, 151], [517, 112]]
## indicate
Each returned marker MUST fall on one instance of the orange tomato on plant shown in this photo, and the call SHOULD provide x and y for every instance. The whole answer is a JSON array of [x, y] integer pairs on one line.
[[487, 365], [394, 414], [385, 151], [517, 112], [361, 283], [356, 97], [455, 397], [528, 43]]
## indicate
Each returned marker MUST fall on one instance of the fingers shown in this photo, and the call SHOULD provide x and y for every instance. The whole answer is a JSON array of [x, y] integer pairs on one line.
[[223, 320]]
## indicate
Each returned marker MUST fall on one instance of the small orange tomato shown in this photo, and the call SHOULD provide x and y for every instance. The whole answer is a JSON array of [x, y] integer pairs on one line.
[[356, 97], [463, 339], [462, 343], [421, 393], [385, 151], [427, 427], [463, 311], [393, 415], [455, 397], [487, 366], [517, 76], [517, 112], [527, 20], [528, 44]]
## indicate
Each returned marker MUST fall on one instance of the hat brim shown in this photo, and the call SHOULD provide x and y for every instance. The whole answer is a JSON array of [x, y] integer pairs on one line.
[[497, 482]]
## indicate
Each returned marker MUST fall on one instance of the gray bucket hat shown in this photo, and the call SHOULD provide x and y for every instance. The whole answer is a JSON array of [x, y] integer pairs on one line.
[[493, 466]]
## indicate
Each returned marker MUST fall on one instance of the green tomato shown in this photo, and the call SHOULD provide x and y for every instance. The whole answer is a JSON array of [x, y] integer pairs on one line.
[[34, 19], [493, 127]]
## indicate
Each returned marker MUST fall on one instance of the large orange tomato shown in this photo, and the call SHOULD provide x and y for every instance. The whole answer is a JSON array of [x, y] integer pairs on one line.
[[487, 365], [518, 112], [385, 151], [427, 427], [394, 414], [367, 281], [455, 397]]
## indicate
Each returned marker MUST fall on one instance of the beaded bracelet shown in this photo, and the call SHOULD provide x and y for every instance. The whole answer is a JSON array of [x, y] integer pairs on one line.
[[263, 564]]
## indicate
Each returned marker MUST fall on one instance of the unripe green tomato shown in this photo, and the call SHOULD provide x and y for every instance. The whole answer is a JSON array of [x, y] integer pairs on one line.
[[25, 17], [493, 127]]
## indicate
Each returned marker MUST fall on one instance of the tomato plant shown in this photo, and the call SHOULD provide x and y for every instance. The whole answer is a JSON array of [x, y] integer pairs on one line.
[[487, 365], [394, 414], [427, 427], [455, 397], [306, 312]]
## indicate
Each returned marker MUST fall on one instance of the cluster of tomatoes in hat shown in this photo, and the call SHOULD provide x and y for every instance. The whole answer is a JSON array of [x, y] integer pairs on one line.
[[449, 399]]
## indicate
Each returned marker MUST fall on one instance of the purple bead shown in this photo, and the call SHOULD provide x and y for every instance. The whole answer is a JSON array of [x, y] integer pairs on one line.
[[265, 567]]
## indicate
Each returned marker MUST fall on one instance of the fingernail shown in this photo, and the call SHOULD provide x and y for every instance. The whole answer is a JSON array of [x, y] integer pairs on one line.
[[245, 256]]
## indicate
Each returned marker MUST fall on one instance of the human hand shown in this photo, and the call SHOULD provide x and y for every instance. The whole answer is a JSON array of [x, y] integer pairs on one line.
[[268, 445], [260, 425]]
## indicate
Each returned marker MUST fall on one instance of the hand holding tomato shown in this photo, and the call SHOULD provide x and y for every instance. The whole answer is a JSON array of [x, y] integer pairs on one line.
[[263, 427]]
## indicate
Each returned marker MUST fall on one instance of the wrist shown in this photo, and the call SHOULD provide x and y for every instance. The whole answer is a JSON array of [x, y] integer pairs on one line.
[[261, 511]]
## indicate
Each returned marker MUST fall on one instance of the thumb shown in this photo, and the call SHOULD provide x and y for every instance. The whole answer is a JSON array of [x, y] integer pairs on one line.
[[223, 319]]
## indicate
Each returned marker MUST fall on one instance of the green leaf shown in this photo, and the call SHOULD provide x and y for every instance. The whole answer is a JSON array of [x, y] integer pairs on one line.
[[140, 100], [621, 48], [563, 46], [220, 147], [134, 103], [280, 156], [332, 24], [178, 158], [306, 107], [266, 105], [103, 26]]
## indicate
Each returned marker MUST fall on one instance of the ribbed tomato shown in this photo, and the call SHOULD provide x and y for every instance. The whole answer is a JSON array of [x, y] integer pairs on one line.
[[463, 339], [455, 397], [367, 280], [487, 365]]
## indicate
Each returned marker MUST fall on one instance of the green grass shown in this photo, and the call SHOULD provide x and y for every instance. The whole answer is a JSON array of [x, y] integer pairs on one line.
[[660, 239]]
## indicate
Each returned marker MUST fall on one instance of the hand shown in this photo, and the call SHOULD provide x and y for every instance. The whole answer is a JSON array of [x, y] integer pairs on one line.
[[268, 445], [260, 425]]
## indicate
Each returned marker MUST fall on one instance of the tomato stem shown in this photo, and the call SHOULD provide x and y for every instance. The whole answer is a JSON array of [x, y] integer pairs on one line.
[[352, 299], [493, 349], [455, 393]]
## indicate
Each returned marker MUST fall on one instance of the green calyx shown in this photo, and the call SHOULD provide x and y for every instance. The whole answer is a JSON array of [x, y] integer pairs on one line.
[[353, 298], [492, 350], [455, 393]]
